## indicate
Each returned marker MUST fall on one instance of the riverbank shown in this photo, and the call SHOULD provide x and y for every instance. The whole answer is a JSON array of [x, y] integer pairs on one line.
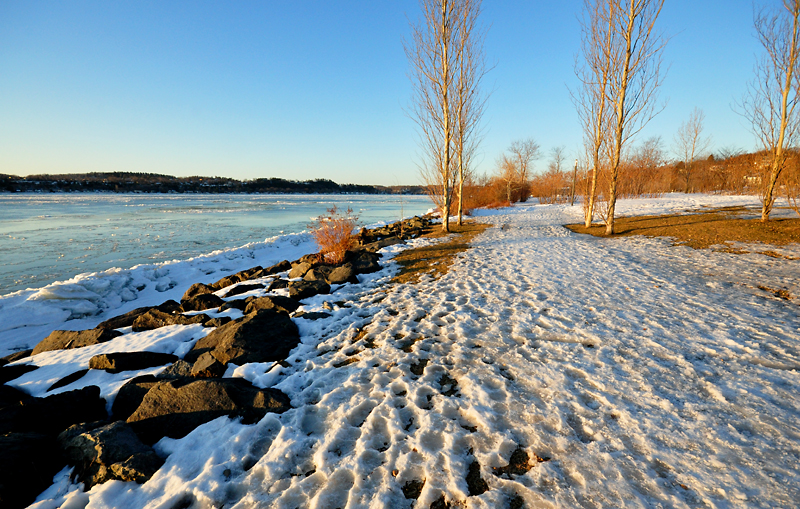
[[544, 368]]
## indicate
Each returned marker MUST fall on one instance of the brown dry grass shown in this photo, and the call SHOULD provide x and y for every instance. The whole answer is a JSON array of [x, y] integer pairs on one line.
[[716, 227], [436, 260]]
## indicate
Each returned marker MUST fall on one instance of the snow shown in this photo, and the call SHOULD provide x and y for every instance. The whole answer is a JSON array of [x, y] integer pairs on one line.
[[649, 375]]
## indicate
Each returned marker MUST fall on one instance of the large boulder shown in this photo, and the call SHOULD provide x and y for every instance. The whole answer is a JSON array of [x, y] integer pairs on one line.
[[67, 339], [275, 302], [155, 319], [110, 452], [130, 361], [128, 318], [319, 273], [208, 366], [15, 357], [300, 269], [237, 278], [173, 408], [365, 262], [28, 462], [202, 302], [243, 288], [197, 289], [275, 269], [374, 247], [300, 290], [263, 336], [342, 274], [55, 413], [278, 284], [130, 395]]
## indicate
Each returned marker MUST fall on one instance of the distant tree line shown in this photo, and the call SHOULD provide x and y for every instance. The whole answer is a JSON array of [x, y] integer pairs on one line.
[[124, 182]]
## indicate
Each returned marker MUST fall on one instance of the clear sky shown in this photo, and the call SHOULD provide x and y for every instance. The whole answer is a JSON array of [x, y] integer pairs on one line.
[[303, 89]]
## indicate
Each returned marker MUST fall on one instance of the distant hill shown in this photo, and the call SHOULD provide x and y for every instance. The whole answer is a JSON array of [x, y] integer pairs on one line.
[[124, 182]]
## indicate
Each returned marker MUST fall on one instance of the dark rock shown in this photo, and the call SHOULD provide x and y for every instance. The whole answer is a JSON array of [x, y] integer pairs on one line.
[[300, 290], [300, 269], [275, 302], [239, 304], [195, 290], [179, 369], [207, 366], [128, 318], [413, 489], [244, 288], [217, 322], [96, 452], [8, 373], [202, 302], [237, 278], [155, 319], [11, 396], [518, 464], [174, 408], [365, 262], [130, 395], [475, 483], [263, 336], [313, 258], [374, 247], [67, 339], [130, 361], [54, 413], [315, 315], [319, 273], [28, 462], [278, 284], [342, 274], [275, 269], [72, 377], [15, 357]]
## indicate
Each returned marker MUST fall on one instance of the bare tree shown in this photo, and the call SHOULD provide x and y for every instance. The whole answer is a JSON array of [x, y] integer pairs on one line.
[[432, 60], [557, 159], [522, 153], [770, 102], [594, 72], [635, 76], [469, 102], [508, 174], [690, 143]]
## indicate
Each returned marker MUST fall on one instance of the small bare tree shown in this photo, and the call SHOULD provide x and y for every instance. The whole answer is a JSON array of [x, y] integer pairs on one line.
[[522, 153], [469, 102], [594, 73], [690, 143], [635, 76], [770, 102], [432, 61]]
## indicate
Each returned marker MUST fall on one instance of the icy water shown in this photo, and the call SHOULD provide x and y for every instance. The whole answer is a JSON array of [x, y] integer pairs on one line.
[[52, 237]]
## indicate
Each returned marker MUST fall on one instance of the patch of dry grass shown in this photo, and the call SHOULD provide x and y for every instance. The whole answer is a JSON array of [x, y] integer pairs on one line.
[[436, 260], [716, 227]]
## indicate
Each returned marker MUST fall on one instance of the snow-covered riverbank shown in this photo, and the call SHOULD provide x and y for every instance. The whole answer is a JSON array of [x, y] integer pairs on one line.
[[628, 371]]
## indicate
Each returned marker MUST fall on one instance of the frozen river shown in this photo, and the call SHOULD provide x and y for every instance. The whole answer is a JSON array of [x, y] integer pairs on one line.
[[52, 237]]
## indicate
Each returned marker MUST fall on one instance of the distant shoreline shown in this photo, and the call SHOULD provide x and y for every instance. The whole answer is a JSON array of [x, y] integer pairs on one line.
[[120, 182]]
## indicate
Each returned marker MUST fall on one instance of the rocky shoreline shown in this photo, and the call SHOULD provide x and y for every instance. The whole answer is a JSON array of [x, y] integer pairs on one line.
[[39, 436]]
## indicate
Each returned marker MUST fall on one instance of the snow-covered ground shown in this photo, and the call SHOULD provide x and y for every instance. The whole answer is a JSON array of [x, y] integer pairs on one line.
[[648, 375]]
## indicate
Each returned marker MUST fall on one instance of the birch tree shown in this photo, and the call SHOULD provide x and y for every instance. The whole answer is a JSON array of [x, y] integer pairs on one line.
[[432, 59], [634, 78], [469, 101], [593, 71], [770, 104], [689, 143]]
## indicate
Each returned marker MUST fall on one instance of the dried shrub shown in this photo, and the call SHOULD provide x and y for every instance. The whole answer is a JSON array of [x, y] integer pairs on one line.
[[333, 233]]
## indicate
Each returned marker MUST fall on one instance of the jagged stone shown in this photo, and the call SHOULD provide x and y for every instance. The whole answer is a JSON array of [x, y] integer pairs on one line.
[[244, 288], [95, 452], [318, 273], [374, 247], [275, 269], [202, 302], [55, 413], [217, 322], [130, 395], [67, 339], [365, 262], [276, 302], [195, 290], [342, 274], [14, 357], [300, 290], [278, 284], [174, 408], [300, 269], [207, 366], [179, 369], [155, 319], [262, 336], [128, 318], [237, 278], [130, 361], [239, 304]]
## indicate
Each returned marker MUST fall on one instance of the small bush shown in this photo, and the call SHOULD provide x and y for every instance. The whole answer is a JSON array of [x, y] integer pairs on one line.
[[333, 233]]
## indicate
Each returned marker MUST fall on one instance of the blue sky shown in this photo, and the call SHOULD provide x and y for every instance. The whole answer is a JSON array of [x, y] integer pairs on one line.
[[313, 89]]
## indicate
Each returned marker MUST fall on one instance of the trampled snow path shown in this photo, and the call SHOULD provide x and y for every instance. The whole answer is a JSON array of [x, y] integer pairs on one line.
[[649, 375]]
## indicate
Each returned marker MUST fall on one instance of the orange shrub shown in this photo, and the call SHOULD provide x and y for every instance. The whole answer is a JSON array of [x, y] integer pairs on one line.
[[333, 233]]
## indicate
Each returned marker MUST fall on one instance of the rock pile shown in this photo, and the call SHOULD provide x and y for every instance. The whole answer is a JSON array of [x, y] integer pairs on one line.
[[39, 435]]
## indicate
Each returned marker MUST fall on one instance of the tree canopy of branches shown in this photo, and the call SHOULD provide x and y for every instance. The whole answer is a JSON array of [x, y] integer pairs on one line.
[[690, 143], [770, 103], [446, 60]]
